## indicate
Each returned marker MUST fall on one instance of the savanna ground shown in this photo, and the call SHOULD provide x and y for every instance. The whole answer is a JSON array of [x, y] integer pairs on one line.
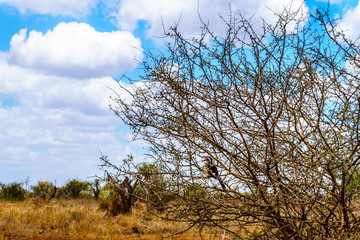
[[82, 219]]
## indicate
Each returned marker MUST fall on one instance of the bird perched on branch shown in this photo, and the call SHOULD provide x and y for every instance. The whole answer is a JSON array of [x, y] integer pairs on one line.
[[212, 170]]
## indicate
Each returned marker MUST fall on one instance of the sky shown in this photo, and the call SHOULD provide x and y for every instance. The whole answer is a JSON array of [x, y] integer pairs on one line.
[[60, 61]]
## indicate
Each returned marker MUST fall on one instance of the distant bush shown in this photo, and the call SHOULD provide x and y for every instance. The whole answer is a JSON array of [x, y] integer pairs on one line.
[[119, 197], [128, 182], [154, 186], [75, 189], [12, 192], [44, 189]]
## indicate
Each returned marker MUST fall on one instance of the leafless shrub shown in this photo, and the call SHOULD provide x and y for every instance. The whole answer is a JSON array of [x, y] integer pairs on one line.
[[278, 111]]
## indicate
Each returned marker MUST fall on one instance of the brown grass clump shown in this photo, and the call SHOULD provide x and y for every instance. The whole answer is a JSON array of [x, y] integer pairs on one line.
[[81, 219]]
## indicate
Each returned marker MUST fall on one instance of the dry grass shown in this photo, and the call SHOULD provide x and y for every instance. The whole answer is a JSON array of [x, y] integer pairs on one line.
[[82, 219]]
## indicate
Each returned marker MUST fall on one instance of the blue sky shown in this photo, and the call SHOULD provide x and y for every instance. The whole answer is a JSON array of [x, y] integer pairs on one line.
[[59, 60]]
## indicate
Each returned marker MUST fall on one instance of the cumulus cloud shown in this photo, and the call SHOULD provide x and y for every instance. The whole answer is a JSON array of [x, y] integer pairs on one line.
[[59, 125], [54, 7], [128, 13], [350, 22], [89, 96], [76, 50]]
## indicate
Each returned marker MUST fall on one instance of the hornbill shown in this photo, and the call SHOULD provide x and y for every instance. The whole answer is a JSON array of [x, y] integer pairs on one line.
[[212, 170]]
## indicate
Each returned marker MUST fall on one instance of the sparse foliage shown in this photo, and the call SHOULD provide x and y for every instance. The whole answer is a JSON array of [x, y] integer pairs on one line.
[[278, 111], [96, 188], [154, 186], [121, 186]]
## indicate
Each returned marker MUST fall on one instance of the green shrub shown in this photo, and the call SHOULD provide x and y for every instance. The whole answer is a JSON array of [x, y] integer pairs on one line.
[[44, 189], [13, 192], [75, 189]]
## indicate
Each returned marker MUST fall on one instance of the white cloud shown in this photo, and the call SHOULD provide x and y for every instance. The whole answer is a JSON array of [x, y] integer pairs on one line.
[[90, 97], [54, 7], [350, 22], [58, 127], [76, 50], [129, 12]]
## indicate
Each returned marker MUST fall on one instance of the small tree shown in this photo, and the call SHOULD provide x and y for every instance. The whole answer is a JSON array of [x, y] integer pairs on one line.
[[96, 188], [121, 184]]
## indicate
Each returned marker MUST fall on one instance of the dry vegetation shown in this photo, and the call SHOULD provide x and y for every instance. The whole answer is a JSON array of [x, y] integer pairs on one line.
[[82, 219]]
